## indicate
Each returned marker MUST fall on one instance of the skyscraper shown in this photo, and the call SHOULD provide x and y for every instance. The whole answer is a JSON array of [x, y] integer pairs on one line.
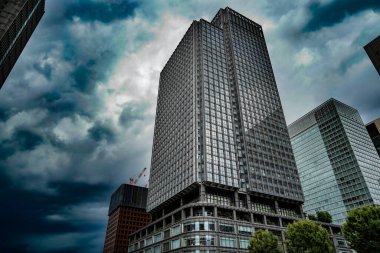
[[18, 19], [337, 162], [373, 129], [373, 52], [127, 213], [222, 164]]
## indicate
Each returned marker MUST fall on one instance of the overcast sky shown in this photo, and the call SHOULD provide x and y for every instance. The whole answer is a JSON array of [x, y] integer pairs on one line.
[[77, 111]]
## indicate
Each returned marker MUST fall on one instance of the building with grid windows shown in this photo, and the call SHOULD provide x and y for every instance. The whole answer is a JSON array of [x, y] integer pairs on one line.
[[18, 19], [127, 213], [373, 51], [338, 165], [222, 163], [373, 129]]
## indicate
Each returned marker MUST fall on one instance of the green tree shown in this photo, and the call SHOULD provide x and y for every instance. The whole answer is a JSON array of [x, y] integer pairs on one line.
[[362, 229], [311, 217], [307, 237], [324, 216], [264, 241]]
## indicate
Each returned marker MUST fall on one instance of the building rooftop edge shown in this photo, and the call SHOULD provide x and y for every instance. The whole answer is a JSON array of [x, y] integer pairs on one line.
[[373, 121], [315, 109]]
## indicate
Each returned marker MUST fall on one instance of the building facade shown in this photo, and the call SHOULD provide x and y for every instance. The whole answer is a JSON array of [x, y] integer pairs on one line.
[[127, 213], [337, 162], [222, 163], [373, 51], [18, 19], [373, 129]]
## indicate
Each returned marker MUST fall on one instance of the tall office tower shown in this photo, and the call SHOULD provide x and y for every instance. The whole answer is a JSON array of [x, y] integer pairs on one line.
[[127, 213], [222, 164], [373, 129], [373, 52], [18, 19], [337, 162]]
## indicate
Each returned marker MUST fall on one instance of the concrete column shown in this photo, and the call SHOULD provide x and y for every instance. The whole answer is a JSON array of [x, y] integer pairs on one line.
[[276, 206], [251, 217], [191, 211], [202, 193], [181, 202], [301, 211], [234, 214], [283, 240], [215, 211], [236, 197], [280, 221], [249, 202], [183, 215], [265, 220]]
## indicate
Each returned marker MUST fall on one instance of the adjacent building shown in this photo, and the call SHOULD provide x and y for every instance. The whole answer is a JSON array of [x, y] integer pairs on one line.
[[373, 52], [18, 19], [338, 165], [222, 163], [373, 129], [127, 213]]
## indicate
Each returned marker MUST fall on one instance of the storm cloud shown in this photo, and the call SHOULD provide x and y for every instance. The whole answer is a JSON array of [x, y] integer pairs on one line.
[[77, 111], [333, 12]]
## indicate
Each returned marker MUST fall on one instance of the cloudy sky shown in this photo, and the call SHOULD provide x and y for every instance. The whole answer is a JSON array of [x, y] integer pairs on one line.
[[77, 111]]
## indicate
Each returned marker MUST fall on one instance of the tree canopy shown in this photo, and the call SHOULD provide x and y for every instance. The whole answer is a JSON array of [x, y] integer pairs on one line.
[[307, 237], [324, 216], [362, 229], [264, 241]]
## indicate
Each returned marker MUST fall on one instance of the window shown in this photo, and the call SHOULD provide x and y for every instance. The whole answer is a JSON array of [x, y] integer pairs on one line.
[[148, 241], [130, 248], [166, 234], [157, 237], [199, 241], [157, 249], [176, 230], [227, 242], [148, 250], [166, 246], [176, 244], [199, 226], [228, 228], [243, 244], [243, 230]]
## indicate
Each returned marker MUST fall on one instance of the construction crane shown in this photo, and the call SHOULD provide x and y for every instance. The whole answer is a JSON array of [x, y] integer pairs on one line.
[[134, 180]]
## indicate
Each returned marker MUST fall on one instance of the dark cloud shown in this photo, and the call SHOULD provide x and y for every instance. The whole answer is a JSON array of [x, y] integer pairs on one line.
[[331, 13], [100, 132], [57, 78], [103, 11], [21, 140], [28, 212]]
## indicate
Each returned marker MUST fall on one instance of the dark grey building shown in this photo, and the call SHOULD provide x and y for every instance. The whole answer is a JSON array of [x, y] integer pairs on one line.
[[337, 162], [18, 19], [373, 52], [373, 129], [222, 163]]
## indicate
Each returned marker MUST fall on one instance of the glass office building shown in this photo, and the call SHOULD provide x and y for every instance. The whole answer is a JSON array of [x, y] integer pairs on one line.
[[18, 19], [338, 165], [222, 163]]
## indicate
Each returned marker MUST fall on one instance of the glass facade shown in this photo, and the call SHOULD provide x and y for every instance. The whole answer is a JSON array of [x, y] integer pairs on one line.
[[222, 163], [219, 117], [338, 164]]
